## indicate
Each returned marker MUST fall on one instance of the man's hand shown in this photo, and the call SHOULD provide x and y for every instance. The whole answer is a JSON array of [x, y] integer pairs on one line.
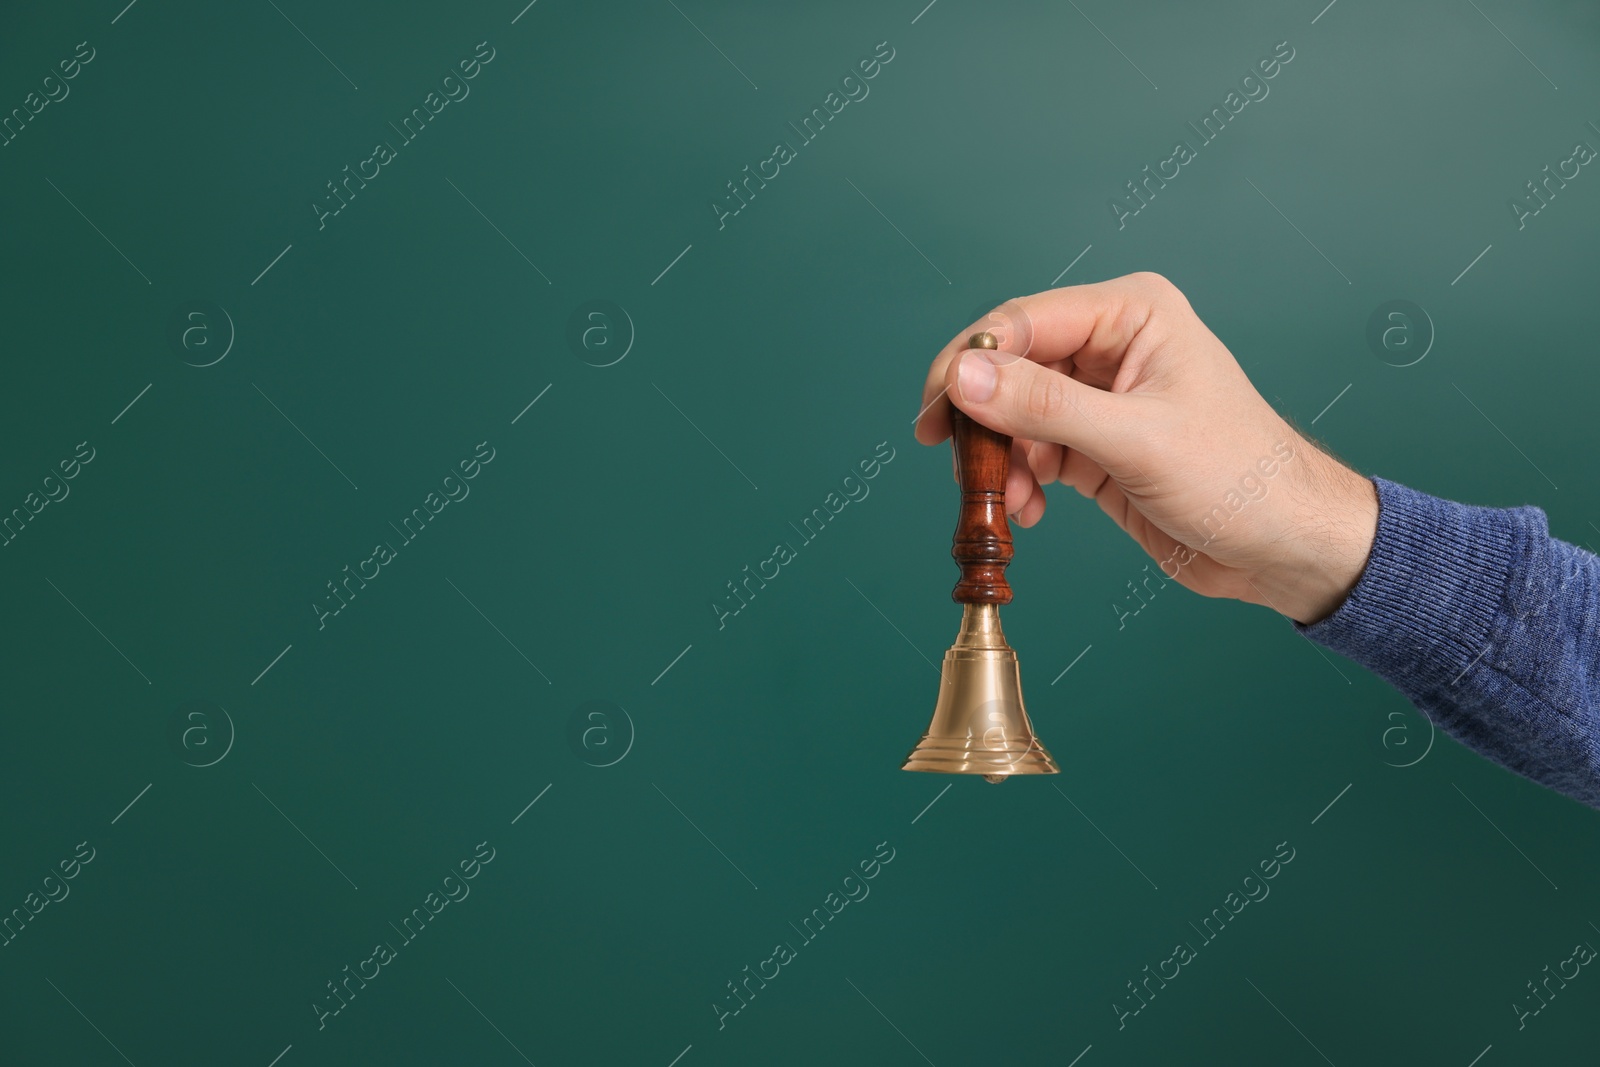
[[1120, 391]]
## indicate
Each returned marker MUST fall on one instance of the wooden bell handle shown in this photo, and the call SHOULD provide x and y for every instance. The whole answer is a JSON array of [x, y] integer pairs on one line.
[[982, 542]]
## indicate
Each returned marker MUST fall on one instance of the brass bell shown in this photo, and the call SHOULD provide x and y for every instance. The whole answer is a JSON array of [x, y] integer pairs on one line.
[[979, 723]]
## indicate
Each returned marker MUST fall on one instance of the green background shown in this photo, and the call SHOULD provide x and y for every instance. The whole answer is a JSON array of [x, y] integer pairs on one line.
[[761, 763]]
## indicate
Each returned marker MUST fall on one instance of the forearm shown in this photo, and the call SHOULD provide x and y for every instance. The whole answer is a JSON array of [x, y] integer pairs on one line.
[[1489, 625]]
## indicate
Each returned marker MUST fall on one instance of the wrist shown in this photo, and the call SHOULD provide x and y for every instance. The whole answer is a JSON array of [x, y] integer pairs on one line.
[[1329, 539]]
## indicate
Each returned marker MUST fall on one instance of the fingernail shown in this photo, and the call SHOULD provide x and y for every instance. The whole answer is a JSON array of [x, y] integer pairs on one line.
[[976, 377]]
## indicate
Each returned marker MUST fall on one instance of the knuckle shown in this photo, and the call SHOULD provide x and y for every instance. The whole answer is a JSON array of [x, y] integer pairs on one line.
[[1045, 398], [1158, 285], [1162, 291]]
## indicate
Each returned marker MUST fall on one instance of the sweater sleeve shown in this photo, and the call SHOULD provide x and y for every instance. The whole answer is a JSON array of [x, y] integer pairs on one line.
[[1487, 624]]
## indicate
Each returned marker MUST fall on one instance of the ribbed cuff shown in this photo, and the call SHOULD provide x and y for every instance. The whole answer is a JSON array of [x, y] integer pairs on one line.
[[1425, 607]]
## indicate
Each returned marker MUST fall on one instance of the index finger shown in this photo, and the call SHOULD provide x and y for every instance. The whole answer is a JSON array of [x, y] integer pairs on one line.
[[1094, 322]]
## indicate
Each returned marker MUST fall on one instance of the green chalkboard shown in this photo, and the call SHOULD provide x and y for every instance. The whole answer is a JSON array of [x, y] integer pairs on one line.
[[393, 391]]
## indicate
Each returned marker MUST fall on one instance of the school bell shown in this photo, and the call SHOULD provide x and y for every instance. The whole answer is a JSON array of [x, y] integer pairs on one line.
[[979, 723]]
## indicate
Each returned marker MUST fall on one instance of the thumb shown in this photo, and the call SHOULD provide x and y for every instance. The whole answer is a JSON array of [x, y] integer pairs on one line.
[[1017, 396]]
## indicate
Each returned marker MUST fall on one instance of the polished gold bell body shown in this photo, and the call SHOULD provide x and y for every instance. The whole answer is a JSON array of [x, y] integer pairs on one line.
[[979, 723]]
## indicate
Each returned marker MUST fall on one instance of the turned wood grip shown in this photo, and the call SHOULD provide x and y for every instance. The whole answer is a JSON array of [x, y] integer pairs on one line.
[[982, 542]]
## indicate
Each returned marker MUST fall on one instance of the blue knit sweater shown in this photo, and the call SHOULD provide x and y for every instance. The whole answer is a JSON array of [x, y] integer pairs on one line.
[[1489, 625]]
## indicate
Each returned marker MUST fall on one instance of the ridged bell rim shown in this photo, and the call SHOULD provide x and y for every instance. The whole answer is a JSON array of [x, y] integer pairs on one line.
[[980, 725]]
